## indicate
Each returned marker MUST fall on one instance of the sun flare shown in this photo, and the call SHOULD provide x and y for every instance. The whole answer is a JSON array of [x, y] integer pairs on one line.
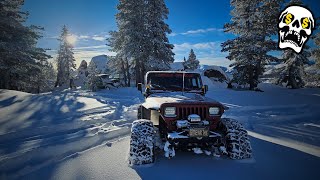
[[71, 39]]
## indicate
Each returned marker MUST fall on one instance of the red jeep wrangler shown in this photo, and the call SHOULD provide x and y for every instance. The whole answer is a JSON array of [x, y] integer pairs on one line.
[[176, 107]]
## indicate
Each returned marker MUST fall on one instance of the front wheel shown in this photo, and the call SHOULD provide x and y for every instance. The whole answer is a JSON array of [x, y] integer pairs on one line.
[[236, 139], [141, 142]]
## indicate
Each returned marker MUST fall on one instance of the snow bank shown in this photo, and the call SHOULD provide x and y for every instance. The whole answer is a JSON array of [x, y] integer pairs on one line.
[[38, 130]]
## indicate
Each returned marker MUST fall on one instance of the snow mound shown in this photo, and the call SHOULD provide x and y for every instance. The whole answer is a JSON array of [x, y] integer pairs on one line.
[[100, 63]]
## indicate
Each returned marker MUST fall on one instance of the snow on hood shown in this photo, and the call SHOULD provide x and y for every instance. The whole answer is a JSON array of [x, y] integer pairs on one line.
[[154, 101]]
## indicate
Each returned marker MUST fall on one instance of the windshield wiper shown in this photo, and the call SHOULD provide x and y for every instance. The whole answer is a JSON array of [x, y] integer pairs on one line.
[[158, 86], [175, 86]]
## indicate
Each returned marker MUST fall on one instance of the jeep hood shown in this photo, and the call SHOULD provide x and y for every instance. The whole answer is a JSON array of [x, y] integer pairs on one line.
[[154, 101]]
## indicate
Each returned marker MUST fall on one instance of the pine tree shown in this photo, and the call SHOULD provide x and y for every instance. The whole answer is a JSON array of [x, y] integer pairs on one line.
[[253, 22], [45, 80], [140, 42], [65, 60], [132, 35], [316, 51], [192, 63], [92, 80], [160, 50], [20, 60], [120, 64], [294, 70]]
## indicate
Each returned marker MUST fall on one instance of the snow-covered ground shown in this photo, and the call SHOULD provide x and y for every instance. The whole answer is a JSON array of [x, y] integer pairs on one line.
[[84, 135]]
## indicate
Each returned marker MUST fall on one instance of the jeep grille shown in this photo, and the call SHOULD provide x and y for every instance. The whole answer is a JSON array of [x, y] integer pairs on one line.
[[184, 112]]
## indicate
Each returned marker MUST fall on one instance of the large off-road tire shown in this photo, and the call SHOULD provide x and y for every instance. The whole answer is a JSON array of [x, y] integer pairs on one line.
[[141, 142], [236, 139]]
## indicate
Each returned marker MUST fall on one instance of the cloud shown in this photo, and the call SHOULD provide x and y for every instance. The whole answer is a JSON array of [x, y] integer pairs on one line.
[[197, 31], [196, 46], [93, 37], [76, 37], [172, 34], [90, 47], [99, 38], [83, 37]]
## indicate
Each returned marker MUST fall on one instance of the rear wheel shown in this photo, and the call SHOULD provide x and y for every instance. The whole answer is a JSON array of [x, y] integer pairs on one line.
[[141, 142], [236, 139]]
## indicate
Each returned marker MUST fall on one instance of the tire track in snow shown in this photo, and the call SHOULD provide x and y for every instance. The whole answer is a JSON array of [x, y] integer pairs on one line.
[[303, 147]]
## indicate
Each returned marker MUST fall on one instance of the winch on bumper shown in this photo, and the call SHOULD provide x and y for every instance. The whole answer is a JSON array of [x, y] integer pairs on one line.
[[193, 132]]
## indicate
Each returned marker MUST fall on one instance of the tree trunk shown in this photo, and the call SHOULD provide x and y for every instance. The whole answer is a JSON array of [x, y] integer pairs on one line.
[[137, 71], [257, 73], [123, 71], [128, 73], [291, 79], [143, 72], [251, 80]]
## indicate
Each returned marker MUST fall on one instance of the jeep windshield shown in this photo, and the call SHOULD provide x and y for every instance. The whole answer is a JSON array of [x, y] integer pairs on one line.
[[174, 81]]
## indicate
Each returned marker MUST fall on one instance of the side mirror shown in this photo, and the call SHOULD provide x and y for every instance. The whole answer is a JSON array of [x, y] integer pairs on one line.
[[206, 88], [140, 87]]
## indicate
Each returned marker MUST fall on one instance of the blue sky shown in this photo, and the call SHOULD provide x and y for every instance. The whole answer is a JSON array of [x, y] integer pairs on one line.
[[195, 24]]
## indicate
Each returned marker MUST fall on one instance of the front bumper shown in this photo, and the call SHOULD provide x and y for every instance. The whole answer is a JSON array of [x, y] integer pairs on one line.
[[183, 139]]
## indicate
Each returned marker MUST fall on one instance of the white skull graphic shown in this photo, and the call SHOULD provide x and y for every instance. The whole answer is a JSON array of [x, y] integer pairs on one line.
[[295, 27]]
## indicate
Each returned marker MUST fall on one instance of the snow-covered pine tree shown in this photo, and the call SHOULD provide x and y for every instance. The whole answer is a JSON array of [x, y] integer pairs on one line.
[[20, 60], [254, 24], [140, 42], [160, 50], [92, 79], [65, 60], [312, 76], [316, 51], [132, 35], [191, 63], [294, 70], [45, 80], [119, 63]]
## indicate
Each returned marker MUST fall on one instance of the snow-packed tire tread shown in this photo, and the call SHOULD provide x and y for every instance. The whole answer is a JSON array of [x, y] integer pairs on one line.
[[141, 142], [237, 141]]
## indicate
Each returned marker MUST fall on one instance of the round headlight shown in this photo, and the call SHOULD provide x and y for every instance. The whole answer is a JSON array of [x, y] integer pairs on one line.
[[214, 110], [170, 112]]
